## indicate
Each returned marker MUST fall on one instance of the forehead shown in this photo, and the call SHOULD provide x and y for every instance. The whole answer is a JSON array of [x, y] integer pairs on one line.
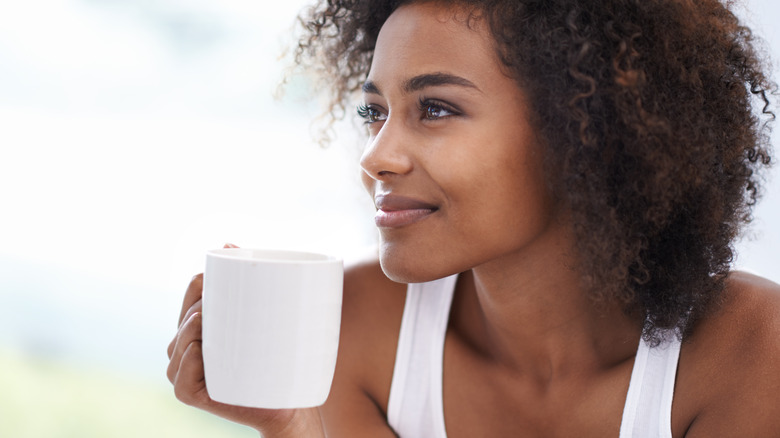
[[421, 38]]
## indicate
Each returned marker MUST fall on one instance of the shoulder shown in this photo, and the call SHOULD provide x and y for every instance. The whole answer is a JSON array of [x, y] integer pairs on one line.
[[371, 319], [373, 304], [729, 369], [747, 316], [753, 303]]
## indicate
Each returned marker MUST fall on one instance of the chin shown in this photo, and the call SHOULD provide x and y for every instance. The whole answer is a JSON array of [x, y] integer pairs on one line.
[[402, 269], [403, 275]]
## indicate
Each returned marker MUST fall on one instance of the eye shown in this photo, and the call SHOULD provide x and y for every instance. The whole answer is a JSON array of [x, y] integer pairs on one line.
[[370, 114], [434, 110]]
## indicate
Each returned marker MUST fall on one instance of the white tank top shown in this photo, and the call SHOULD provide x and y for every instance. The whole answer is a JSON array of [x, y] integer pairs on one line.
[[415, 407]]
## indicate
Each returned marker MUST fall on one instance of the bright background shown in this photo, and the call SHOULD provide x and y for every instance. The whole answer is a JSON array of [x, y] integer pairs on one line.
[[135, 135]]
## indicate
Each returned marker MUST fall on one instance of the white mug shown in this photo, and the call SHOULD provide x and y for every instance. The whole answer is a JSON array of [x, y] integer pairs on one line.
[[271, 324]]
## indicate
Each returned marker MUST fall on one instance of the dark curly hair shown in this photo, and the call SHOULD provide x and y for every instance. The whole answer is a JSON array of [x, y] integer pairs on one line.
[[653, 115]]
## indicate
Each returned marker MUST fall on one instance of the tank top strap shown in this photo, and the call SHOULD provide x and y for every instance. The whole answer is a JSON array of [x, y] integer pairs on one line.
[[415, 406], [648, 409]]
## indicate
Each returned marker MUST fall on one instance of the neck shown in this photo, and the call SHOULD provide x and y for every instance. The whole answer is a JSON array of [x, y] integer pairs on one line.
[[527, 312]]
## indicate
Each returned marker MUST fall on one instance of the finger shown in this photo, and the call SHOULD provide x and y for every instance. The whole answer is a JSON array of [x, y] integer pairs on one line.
[[193, 294], [172, 345], [191, 331], [197, 307], [189, 384]]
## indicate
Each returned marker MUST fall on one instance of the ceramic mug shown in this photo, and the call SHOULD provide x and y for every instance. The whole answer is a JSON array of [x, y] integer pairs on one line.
[[271, 324]]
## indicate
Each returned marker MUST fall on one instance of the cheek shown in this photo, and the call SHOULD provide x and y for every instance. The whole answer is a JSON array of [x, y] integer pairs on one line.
[[501, 198], [490, 171]]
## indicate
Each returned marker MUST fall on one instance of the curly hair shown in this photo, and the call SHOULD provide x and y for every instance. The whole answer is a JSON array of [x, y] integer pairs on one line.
[[654, 117]]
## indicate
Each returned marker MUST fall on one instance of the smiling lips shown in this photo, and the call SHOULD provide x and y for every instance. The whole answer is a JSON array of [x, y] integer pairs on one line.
[[398, 211]]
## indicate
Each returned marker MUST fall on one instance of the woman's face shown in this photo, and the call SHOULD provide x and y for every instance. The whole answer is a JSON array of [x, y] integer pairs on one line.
[[452, 161]]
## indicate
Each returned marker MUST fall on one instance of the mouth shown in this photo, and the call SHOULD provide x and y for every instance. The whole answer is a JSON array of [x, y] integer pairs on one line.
[[399, 211]]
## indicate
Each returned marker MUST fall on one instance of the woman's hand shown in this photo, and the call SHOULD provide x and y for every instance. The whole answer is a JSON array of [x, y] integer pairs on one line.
[[185, 371]]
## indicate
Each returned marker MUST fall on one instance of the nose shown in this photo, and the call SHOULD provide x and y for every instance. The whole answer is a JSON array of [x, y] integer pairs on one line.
[[387, 153]]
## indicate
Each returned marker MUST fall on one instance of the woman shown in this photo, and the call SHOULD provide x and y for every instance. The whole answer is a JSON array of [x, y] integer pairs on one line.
[[560, 184]]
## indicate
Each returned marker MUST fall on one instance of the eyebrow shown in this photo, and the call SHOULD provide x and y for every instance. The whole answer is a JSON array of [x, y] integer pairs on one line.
[[420, 82]]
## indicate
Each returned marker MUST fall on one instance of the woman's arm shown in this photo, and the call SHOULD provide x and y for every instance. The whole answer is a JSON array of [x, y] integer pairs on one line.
[[371, 320]]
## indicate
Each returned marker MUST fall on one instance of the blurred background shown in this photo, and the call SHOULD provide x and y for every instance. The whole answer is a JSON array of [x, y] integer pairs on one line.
[[136, 135]]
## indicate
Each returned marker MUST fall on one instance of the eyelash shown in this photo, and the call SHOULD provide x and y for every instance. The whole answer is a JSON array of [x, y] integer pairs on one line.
[[425, 105], [368, 113]]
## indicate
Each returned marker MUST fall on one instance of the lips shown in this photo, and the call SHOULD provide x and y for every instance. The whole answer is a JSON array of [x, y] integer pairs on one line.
[[398, 211]]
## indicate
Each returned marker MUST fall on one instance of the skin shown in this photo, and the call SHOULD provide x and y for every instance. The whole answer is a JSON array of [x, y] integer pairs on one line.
[[525, 349]]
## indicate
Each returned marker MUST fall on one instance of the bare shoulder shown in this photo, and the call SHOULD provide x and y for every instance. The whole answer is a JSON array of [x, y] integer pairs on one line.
[[366, 273], [731, 363], [371, 300], [748, 314], [371, 319]]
